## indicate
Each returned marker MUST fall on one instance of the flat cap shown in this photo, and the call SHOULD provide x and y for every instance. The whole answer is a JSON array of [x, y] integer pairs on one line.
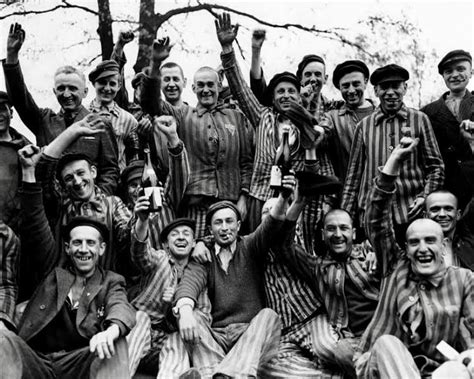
[[389, 73], [87, 221], [282, 77], [453, 56], [346, 67], [68, 158], [103, 70], [132, 171], [174, 224], [307, 59], [221, 205]]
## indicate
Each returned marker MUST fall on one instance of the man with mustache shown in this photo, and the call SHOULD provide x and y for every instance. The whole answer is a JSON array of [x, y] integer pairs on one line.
[[422, 301], [375, 138], [452, 118]]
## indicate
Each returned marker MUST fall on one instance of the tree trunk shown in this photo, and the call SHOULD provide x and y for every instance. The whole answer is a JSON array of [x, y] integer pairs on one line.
[[105, 29], [146, 34]]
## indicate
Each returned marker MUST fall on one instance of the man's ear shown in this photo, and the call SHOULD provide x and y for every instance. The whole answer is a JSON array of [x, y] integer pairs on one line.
[[102, 247], [239, 223], [458, 215], [193, 87], [94, 171], [67, 248]]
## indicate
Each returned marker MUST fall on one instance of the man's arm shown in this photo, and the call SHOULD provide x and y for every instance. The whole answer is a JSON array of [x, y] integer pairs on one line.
[[226, 33], [245, 164], [258, 84], [9, 261], [119, 56], [18, 93], [108, 170]]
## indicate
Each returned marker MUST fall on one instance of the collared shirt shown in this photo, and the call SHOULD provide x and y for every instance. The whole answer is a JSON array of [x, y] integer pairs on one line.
[[124, 126], [375, 138], [9, 261], [265, 121], [445, 304], [219, 143]]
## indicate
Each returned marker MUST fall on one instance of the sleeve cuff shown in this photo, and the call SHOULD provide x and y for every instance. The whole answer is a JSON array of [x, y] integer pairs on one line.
[[385, 181], [175, 151]]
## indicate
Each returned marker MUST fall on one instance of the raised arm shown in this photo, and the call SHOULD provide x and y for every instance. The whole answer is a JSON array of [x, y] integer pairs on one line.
[[257, 79], [226, 34], [119, 56], [379, 223]]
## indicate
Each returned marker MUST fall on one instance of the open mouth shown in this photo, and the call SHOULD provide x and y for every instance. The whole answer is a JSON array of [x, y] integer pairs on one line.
[[84, 258], [181, 245], [425, 259]]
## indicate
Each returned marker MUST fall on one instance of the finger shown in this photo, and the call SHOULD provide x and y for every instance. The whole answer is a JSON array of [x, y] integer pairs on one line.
[[99, 351], [12, 28], [110, 347], [93, 345], [236, 29]]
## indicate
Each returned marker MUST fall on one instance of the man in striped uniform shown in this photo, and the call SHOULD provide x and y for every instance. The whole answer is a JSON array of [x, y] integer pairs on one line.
[[375, 138], [218, 141], [422, 302]]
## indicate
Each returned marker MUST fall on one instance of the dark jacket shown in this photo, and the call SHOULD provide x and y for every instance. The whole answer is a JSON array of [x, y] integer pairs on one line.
[[46, 125]]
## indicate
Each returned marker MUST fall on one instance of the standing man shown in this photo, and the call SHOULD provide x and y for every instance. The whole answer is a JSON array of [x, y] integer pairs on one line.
[[452, 118], [375, 138], [70, 89], [351, 78], [218, 141]]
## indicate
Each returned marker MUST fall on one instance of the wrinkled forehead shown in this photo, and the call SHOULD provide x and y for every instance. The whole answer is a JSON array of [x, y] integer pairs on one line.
[[69, 79], [424, 228], [441, 199], [338, 217], [206, 75]]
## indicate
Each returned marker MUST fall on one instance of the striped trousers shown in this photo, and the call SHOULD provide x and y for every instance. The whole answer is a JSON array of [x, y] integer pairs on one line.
[[237, 350], [138, 340], [388, 358], [306, 351]]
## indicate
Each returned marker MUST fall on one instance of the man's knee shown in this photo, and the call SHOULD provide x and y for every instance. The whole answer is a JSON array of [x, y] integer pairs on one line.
[[386, 343]]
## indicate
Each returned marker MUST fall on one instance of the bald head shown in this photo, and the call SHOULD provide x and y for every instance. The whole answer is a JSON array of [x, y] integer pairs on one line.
[[425, 225], [206, 70]]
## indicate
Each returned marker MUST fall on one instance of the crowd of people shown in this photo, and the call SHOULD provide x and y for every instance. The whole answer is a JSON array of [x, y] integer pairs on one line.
[[357, 265]]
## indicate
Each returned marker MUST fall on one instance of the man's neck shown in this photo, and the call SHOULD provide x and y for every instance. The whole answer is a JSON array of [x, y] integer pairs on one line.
[[5, 135], [457, 95], [363, 104], [176, 103]]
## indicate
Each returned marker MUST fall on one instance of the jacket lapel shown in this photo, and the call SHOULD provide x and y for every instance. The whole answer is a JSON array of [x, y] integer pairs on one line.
[[466, 108], [93, 286], [65, 280]]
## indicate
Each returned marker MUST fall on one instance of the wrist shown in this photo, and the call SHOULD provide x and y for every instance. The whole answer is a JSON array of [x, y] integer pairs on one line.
[[227, 48], [173, 140], [28, 175], [11, 58]]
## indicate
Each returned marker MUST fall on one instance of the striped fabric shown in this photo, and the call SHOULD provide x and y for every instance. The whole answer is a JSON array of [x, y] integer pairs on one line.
[[446, 303], [10, 257], [138, 341], [124, 126], [219, 144], [375, 138]]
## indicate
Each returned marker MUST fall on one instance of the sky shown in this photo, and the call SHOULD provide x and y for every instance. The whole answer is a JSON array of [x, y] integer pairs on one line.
[[54, 40]]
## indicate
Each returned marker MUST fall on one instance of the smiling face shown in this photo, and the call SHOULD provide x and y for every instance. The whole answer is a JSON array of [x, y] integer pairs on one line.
[[70, 89], [180, 242], [442, 207], [352, 87], [78, 179], [107, 88], [172, 83], [314, 73], [84, 248], [391, 95], [283, 93], [338, 233], [457, 75], [206, 87], [133, 187], [224, 226], [425, 247]]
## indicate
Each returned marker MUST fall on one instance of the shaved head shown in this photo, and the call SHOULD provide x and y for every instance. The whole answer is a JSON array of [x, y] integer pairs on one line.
[[425, 224], [206, 69]]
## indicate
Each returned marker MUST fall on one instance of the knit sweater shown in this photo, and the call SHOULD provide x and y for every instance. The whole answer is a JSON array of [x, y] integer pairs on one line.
[[238, 295]]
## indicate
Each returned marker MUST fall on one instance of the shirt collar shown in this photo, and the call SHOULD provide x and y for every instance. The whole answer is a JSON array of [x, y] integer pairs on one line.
[[434, 280], [112, 108], [200, 110], [380, 115], [96, 202], [345, 109], [232, 247]]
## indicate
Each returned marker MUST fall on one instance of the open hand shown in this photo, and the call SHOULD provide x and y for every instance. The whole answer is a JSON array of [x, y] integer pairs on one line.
[[103, 342], [226, 32], [16, 37]]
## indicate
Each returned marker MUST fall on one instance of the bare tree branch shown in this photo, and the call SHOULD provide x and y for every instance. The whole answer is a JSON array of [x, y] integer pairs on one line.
[[64, 5]]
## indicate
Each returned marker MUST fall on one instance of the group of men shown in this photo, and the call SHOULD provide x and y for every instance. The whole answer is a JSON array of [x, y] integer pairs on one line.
[[358, 266]]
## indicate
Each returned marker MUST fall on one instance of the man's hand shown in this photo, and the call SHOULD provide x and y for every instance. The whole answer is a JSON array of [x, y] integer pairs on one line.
[[168, 294], [288, 184], [467, 359], [125, 36], [201, 253], [402, 151], [16, 37], [29, 156], [188, 326], [167, 125], [90, 125], [144, 126], [142, 208], [242, 206], [258, 36], [226, 32], [416, 208], [161, 49], [103, 342], [307, 94]]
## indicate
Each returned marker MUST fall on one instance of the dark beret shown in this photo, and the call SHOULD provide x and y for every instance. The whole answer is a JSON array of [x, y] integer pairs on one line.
[[87, 221], [132, 171], [174, 224], [104, 69], [307, 59], [221, 205], [347, 67], [453, 56], [281, 77], [389, 73], [68, 158]]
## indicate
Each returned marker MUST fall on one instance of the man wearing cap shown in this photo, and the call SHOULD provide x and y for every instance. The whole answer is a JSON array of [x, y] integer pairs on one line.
[[10, 142], [351, 78], [452, 118], [106, 81], [218, 140], [375, 138], [422, 300], [174, 186], [70, 89], [161, 271], [74, 324]]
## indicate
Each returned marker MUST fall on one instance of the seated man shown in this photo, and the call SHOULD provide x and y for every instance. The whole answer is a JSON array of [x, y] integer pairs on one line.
[[422, 301], [243, 334], [70, 89], [74, 324]]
